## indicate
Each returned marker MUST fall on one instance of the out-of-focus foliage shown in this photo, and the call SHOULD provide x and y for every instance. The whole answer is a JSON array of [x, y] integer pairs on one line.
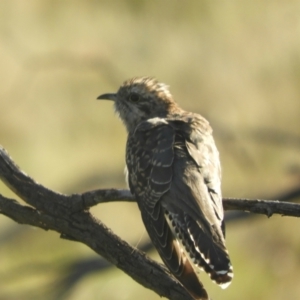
[[235, 62]]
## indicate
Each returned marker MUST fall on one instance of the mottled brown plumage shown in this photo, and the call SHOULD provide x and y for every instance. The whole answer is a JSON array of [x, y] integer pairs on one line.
[[174, 172]]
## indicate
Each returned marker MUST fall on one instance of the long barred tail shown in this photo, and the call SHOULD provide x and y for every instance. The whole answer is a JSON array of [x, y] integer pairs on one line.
[[171, 252], [208, 252]]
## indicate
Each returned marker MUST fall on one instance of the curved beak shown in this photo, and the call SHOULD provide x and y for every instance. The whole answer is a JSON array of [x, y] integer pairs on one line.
[[108, 96]]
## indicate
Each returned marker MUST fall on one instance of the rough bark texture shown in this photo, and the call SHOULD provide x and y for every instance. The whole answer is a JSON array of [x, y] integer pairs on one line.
[[69, 216]]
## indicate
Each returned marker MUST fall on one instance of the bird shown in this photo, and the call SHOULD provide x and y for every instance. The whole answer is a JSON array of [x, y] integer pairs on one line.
[[173, 171]]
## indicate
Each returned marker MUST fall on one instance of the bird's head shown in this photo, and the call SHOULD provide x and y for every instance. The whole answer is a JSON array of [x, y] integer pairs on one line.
[[141, 98]]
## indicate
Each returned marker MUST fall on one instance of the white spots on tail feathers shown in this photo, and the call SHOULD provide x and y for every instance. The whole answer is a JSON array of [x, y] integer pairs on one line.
[[207, 260], [222, 272], [224, 285], [228, 274]]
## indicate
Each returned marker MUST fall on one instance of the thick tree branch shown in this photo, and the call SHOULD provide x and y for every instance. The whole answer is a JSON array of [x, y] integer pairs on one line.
[[69, 216], [65, 214]]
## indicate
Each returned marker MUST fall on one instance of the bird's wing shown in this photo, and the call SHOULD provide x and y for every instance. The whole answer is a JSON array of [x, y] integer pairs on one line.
[[149, 158], [195, 201]]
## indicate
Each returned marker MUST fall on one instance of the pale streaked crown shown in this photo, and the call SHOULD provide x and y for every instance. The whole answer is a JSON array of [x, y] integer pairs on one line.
[[148, 85], [143, 98]]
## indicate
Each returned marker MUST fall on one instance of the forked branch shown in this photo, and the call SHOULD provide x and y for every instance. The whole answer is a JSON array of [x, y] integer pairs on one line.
[[69, 216]]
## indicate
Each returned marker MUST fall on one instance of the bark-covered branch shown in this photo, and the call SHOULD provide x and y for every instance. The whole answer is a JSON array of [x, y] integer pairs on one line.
[[265, 207], [69, 216]]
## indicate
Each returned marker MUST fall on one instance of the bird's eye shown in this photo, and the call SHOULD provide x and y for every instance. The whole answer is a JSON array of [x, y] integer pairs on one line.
[[134, 97]]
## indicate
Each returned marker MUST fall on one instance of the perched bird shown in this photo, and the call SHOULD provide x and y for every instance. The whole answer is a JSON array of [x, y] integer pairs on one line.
[[174, 173]]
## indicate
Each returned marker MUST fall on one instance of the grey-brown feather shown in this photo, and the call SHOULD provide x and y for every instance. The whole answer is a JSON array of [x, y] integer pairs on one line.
[[185, 181], [174, 172]]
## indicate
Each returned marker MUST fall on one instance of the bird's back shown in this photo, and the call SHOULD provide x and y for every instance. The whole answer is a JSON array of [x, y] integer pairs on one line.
[[174, 172]]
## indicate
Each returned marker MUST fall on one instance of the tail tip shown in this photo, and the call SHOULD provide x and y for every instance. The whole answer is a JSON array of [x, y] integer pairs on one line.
[[223, 278]]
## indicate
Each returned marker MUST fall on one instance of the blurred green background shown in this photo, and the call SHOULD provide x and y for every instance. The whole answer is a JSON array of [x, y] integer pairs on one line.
[[235, 62]]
